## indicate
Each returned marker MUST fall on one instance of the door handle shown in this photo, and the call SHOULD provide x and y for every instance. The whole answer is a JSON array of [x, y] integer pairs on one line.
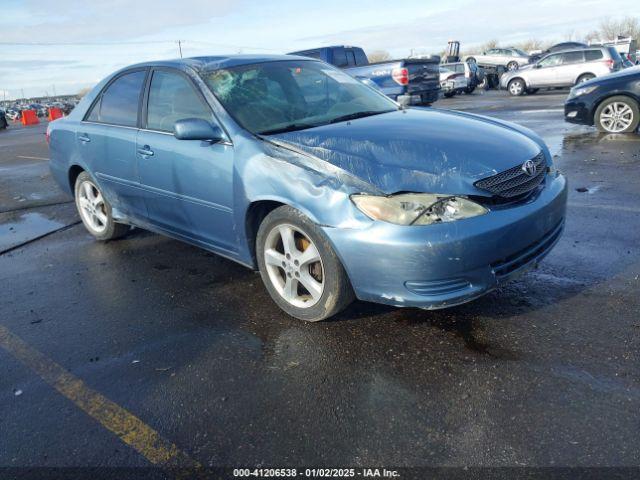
[[84, 138], [146, 151]]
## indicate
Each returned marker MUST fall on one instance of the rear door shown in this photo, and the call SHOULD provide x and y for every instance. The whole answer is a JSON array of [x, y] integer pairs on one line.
[[188, 184], [570, 68], [106, 141]]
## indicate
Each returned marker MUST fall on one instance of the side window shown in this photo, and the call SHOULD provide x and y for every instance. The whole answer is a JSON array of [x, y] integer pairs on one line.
[[551, 60], [492, 51], [351, 58], [118, 104], [572, 57], [591, 55], [171, 98], [340, 57], [361, 58]]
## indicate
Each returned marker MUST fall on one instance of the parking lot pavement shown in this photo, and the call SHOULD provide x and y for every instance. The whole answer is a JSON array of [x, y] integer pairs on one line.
[[188, 346]]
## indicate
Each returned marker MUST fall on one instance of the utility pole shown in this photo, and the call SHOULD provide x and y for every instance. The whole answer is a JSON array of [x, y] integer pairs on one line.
[[180, 47]]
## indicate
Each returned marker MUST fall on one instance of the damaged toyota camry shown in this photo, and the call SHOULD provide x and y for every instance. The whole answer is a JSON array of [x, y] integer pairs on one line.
[[331, 190]]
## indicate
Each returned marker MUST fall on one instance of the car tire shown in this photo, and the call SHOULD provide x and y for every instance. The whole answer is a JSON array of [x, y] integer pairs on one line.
[[532, 91], [291, 271], [449, 94], [512, 65], [95, 211], [517, 87], [585, 77], [617, 114]]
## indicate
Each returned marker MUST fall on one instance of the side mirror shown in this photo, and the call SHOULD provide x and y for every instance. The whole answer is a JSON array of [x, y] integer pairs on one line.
[[197, 129]]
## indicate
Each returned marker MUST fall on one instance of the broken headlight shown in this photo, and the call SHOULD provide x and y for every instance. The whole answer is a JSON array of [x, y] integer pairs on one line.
[[417, 208]]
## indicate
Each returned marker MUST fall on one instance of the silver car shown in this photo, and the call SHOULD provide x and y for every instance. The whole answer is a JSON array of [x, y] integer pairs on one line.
[[510, 57], [562, 69]]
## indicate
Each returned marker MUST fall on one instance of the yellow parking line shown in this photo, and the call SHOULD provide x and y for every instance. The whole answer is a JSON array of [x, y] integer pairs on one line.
[[129, 428]]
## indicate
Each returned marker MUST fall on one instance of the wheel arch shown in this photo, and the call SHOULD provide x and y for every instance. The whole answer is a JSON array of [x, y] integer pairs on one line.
[[256, 212], [577, 80], [72, 175]]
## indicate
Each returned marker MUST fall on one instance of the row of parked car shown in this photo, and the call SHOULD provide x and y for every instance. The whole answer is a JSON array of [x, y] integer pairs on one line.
[[14, 112]]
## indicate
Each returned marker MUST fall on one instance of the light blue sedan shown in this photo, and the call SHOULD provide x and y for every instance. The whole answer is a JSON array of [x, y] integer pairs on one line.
[[330, 189]]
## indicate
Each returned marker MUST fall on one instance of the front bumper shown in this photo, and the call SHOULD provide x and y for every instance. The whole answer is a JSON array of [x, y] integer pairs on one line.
[[438, 266], [576, 110]]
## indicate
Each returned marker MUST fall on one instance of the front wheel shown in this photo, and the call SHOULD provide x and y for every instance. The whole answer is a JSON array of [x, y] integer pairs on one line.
[[516, 87], [512, 66], [617, 115], [299, 267], [95, 211]]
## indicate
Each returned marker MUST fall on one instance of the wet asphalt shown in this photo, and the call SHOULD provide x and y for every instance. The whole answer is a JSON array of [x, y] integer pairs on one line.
[[542, 372]]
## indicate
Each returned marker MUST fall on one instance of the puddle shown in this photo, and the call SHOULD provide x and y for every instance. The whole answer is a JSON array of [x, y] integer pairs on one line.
[[17, 229]]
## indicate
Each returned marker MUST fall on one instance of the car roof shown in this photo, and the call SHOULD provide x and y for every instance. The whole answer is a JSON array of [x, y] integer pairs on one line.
[[218, 61]]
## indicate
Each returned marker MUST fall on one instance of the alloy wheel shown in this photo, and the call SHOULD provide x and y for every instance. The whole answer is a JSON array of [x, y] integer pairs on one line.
[[92, 207], [515, 88], [294, 265], [616, 117]]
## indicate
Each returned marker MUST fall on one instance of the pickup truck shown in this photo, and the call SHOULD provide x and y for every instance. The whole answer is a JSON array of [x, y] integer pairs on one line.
[[410, 81]]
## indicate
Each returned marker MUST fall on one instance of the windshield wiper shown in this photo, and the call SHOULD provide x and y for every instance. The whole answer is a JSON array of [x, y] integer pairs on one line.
[[353, 116], [292, 127]]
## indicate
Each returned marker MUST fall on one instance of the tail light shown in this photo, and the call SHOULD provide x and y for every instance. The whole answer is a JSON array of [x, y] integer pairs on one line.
[[400, 76], [609, 63], [47, 135]]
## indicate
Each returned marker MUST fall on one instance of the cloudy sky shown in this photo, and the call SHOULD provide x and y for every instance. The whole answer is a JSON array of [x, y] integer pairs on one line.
[[65, 45]]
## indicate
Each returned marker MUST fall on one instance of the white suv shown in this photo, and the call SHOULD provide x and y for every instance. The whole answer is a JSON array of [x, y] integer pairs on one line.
[[562, 69]]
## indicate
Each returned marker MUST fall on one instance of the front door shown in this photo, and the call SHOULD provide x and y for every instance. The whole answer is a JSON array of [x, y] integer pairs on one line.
[[188, 184], [544, 72]]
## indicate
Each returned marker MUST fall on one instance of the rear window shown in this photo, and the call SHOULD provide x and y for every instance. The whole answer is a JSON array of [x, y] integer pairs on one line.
[[591, 55], [118, 104], [572, 57]]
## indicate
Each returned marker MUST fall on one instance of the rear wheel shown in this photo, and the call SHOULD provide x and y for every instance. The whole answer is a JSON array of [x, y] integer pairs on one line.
[[585, 78], [617, 115], [299, 267], [471, 60], [516, 87], [95, 211], [512, 65]]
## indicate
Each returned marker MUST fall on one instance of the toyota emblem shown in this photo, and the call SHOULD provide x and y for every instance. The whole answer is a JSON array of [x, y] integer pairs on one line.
[[529, 168]]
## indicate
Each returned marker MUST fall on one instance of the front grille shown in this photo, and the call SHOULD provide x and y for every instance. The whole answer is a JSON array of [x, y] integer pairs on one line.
[[515, 182]]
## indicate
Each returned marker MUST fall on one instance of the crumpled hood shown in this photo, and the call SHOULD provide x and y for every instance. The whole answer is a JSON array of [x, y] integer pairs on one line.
[[417, 150]]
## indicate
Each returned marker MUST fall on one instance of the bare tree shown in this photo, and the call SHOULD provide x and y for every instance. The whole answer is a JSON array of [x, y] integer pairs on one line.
[[378, 56], [610, 29]]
